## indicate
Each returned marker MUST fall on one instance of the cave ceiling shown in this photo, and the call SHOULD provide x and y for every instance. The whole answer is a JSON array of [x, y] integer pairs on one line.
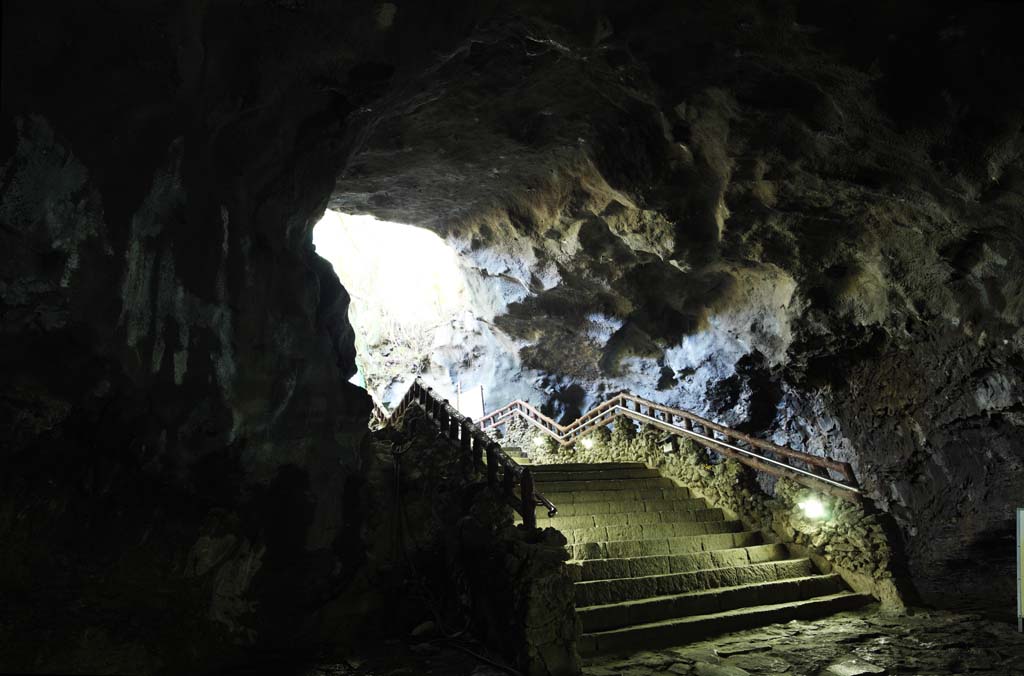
[[805, 223], [802, 219]]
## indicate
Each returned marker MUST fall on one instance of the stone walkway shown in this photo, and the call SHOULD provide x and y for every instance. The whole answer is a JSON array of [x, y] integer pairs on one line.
[[854, 643]]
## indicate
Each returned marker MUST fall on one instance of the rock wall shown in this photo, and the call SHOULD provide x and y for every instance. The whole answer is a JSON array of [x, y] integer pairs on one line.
[[539, 447], [444, 549], [523, 602], [177, 440], [795, 220], [798, 221]]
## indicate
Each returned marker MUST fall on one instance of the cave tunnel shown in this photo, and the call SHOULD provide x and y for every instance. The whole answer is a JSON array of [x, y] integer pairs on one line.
[[511, 337]]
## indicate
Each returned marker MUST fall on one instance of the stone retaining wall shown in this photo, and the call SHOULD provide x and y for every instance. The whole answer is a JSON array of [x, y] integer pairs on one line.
[[510, 583]]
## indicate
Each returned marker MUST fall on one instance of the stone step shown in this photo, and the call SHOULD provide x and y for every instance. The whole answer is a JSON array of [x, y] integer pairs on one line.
[[639, 566], [654, 531], [587, 466], [545, 478], [660, 608], [591, 485], [661, 547], [626, 506], [569, 497], [687, 629], [568, 522], [599, 592]]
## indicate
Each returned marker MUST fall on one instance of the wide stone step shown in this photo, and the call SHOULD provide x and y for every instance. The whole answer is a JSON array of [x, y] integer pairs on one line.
[[568, 522], [590, 485], [659, 608], [586, 467], [571, 497], [664, 546], [544, 478], [653, 531], [640, 566], [624, 506], [600, 592], [687, 629]]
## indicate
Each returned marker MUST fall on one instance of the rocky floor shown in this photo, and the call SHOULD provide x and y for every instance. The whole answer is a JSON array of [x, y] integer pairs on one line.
[[848, 644], [857, 643]]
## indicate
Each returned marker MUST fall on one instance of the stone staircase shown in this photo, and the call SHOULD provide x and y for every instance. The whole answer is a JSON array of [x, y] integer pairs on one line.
[[656, 566]]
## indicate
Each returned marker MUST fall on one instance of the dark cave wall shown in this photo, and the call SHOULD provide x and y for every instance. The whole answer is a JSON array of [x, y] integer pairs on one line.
[[178, 433], [179, 444]]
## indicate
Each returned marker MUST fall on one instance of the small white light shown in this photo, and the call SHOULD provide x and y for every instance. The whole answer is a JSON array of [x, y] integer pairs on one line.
[[812, 508], [588, 443], [539, 441]]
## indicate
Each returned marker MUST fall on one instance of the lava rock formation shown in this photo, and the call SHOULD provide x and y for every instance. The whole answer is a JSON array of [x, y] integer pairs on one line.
[[802, 219]]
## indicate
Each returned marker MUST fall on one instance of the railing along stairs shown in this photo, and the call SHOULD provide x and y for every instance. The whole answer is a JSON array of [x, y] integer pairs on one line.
[[503, 473], [819, 473]]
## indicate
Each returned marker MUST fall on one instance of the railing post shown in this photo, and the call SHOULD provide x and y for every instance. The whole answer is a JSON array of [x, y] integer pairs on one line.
[[453, 422], [527, 499], [466, 443], [508, 486], [492, 465]]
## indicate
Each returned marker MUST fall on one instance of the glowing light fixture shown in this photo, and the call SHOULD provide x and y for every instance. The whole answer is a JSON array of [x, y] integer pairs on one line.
[[539, 440], [812, 508], [588, 443]]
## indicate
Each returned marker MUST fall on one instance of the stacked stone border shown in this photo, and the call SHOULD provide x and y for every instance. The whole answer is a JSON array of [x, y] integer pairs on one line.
[[511, 580]]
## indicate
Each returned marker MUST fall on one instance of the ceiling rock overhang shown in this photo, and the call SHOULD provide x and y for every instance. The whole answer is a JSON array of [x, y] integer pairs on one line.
[[803, 221]]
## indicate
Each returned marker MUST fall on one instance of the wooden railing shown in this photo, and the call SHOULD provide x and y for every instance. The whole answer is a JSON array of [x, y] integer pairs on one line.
[[379, 414], [817, 472], [503, 473]]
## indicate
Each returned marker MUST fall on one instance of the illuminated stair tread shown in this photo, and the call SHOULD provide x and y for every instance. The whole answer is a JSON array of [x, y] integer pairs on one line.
[[603, 569], [681, 630], [706, 601]]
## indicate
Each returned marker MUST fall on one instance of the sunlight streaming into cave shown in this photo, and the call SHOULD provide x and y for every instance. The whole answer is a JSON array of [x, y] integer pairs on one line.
[[406, 286]]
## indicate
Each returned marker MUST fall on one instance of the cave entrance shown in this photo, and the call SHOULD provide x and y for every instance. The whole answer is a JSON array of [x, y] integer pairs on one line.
[[409, 296]]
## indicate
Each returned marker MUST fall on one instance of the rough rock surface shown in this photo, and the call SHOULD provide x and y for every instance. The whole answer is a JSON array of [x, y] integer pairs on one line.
[[177, 440], [799, 222], [858, 643], [505, 584], [802, 221]]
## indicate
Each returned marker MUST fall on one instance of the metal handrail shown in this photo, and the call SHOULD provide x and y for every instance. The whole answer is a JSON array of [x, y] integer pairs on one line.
[[684, 423], [477, 447]]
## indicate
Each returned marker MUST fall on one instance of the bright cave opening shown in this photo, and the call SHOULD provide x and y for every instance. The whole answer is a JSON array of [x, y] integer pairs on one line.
[[408, 296]]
